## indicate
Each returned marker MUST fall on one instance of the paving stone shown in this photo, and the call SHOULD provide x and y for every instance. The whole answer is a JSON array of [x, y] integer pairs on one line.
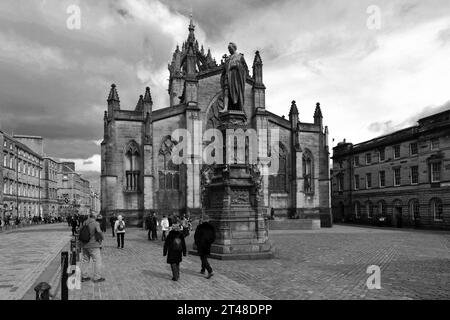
[[25, 253]]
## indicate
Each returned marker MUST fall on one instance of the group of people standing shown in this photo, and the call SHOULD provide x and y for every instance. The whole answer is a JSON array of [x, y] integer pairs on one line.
[[10, 221], [91, 231], [167, 223]]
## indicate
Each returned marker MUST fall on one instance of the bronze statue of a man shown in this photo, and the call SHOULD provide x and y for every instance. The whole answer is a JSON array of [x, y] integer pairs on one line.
[[233, 79]]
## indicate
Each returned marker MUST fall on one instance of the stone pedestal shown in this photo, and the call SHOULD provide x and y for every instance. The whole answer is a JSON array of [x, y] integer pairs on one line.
[[234, 204]]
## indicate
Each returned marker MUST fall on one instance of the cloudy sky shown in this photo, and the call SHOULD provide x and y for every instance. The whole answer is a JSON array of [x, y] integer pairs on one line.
[[54, 80]]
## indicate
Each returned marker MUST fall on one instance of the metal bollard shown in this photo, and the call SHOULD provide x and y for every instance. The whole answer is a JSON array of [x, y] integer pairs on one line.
[[42, 291], [64, 275]]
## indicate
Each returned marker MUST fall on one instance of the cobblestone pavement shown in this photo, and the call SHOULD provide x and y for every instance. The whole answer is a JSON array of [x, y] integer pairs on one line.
[[140, 272], [322, 264], [25, 253], [332, 264]]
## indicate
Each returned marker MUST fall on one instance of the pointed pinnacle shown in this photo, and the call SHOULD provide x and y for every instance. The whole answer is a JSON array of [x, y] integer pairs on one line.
[[294, 109], [318, 111], [113, 95], [148, 96]]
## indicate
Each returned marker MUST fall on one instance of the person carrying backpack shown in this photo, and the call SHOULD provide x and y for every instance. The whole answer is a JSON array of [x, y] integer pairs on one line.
[[174, 248], [119, 228], [90, 239]]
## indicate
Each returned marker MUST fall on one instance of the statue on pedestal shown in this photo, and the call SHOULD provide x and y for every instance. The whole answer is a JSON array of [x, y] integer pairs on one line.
[[233, 80]]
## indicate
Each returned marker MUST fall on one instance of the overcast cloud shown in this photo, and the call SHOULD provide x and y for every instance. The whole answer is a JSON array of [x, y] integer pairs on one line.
[[54, 81]]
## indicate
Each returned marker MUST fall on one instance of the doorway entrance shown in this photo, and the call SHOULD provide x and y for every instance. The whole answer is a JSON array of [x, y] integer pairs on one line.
[[397, 214]]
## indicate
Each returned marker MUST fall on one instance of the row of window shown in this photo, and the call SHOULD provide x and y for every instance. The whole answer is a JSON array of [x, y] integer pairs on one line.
[[9, 161], [435, 177], [22, 153], [25, 190], [381, 154], [435, 207], [24, 209]]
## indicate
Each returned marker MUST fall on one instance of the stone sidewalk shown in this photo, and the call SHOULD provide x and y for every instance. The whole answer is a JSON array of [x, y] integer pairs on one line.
[[140, 272], [25, 254]]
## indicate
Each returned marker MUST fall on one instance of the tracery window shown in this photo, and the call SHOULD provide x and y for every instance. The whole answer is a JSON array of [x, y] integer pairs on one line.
[[132, 168], [308, 172], [278, 182], [169, 174]]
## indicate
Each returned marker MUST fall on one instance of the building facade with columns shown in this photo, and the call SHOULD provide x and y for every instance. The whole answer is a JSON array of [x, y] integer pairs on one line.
[[138, 173]]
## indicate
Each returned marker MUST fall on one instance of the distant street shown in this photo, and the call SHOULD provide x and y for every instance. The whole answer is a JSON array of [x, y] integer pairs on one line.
[[25, 253]]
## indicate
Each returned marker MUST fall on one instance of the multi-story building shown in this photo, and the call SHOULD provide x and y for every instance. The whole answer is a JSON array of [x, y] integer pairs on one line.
[[50, 186], [21, 188], [74, 194], [400, 179], [95, 201], [31, 181]]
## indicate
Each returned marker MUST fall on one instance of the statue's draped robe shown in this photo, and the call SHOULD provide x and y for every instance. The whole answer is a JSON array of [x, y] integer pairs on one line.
[[236, 74]]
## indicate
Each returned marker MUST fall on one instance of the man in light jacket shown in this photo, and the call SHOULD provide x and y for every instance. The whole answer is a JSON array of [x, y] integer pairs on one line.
[[164, 227], [119, 228], [92, 250]]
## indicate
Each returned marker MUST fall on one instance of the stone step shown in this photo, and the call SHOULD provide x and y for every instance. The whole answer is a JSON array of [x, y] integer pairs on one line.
[[294, 224]]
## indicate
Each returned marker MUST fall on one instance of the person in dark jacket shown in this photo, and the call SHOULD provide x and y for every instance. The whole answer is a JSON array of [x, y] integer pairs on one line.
[[204, 237], [154, 226], [103, 224], [74, 223], [174, 247], [112, 221], [148, 222]]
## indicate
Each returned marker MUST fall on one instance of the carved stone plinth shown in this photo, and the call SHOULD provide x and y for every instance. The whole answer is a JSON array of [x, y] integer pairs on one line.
[[234, 205]]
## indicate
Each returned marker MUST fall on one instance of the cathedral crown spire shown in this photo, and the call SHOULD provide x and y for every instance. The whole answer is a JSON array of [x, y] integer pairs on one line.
[[191, 24], [191, 37]]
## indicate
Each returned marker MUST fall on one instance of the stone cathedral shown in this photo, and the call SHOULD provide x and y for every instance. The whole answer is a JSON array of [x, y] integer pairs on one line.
[[137, 172]]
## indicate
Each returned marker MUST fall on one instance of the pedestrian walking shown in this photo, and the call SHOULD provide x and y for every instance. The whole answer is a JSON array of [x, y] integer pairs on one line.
[[154, 226], [185, 226], [164, 227], [112, 221], [74, 226], [90, 240], [119, 228], [204, 237], [148, 222], [174, 248]]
